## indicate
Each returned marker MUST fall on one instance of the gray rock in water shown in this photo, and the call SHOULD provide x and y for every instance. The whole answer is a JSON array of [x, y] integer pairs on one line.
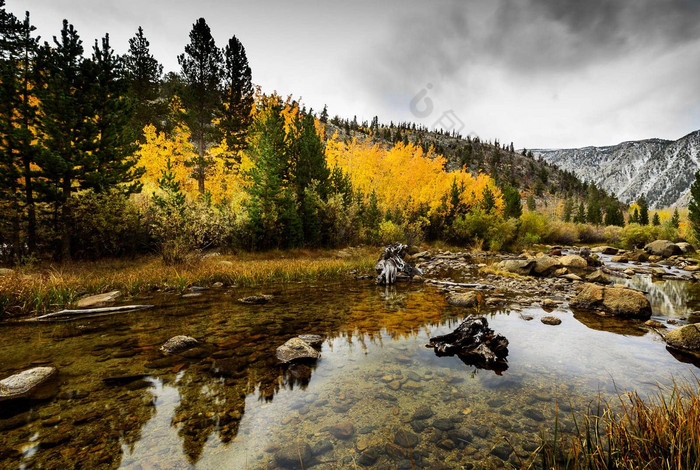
[[24, 383], [619, 301], [178, 344], [606, 250], [313, 340], [464, 299], [99, 300], [685, 247], [294, 456], [517, 266], [296, 349], [663, 248], [598, 276], [550, 320], [256, 299], [406, 439], [685, 338]]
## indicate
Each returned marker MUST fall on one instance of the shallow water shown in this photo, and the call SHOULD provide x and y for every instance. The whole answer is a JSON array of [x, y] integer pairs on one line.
[[231, 405]]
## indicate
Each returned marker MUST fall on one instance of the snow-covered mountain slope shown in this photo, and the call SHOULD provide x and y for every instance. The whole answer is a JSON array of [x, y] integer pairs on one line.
[[662, 170]]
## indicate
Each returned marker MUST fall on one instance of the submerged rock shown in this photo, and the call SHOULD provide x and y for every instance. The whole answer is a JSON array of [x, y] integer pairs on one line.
[[617, 301], [663, 248], [296, 349], [294, 455], [464, 299], [178, 344], [24, 383], [551, 320], [256, 299], [685, 338], [475, 344], [99, 300]]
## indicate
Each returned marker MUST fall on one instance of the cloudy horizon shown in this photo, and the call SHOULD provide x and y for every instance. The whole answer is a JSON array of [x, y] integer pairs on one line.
[[542, 74]]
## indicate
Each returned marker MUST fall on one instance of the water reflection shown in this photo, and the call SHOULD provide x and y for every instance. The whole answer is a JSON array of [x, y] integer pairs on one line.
[[230, 403]]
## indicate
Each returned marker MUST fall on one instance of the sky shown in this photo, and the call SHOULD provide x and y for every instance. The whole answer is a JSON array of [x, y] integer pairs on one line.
[[538, 73]]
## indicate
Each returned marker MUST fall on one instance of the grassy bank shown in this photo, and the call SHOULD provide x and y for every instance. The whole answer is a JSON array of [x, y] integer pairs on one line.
[[662, 432], [46, 288]]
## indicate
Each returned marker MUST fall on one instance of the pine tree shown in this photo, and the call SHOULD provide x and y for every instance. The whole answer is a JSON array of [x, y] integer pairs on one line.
[[593, 215], [488, 201], [613, 215], [201, 68], [580, 217], [511, 197], [643, 210], [531, 203], [237, 102], [694, 206], [143, 72], [568, 210], [634, 218], [656, 221], [676, 219]]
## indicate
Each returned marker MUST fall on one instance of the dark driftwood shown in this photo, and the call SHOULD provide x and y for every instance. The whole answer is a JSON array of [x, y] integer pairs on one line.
[[91, 312], [391, 263], [475, 344]]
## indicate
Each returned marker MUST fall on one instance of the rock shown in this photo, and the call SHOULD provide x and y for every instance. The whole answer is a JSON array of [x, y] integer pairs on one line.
[[619, 259], [256, 299], [178, 344], [218, 285], [694, 317], [312, 340], [99, 300], [443, 424], [572, 277], [321, 447], [573, 261], [294, 456], [296, 349], [663, 248], [24, 383], [654, 324], [342, 431], [684, 338], [369, 456], [550, 320], [406, 439], [550, 303], [544, 265], [617, 301], [599, 277], [6, 271], [422, 255], [639, 256], [464, 299], [686, 248], [606, 250], [422, 412], [517, 266]]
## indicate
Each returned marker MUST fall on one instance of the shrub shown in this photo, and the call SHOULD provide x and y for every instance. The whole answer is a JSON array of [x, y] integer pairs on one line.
[[534, 228], [389, 232], [636, 236]]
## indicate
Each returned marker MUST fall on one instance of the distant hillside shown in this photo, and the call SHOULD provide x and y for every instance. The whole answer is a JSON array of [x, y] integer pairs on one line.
[[661, 170], [519, 169]]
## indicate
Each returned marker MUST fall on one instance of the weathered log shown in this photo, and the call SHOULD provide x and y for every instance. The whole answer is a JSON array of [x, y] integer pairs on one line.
[[475, 344], [466, 285], [91, 311], [391, 263]]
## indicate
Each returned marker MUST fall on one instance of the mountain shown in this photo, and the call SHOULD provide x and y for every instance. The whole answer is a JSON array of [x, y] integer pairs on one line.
[[661, 170]]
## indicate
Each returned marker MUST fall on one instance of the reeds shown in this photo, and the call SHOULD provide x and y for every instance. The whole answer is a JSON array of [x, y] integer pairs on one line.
[[30, 291], [662, 432]]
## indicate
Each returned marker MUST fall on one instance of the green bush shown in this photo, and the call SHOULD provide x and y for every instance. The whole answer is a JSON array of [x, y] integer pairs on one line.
[[389, 232], [635, 235]]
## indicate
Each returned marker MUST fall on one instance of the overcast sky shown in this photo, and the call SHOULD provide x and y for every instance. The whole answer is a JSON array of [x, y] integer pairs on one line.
[[543, 74]]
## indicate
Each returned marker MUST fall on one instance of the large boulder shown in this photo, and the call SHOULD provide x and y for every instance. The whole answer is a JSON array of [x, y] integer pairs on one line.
[[545, 265], [178, 344], [24, 383], [99, 300], [517, 266], [663, 248], [573, 261], [296, 349], [464, 299], [617, 301], [598, 276], [686, 248], [685, 338], [606, 250]]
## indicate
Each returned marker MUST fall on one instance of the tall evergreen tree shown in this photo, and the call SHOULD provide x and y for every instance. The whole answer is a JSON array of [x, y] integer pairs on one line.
[[675, 219], [643, 210], [656, 220], [694, 206], [143, 72], [237, 99], [580, 217], [568, 210], [201, 67], [514, 206], [613, 215]]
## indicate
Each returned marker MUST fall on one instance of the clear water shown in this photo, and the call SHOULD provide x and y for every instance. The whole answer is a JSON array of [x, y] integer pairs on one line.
[[231, 405]]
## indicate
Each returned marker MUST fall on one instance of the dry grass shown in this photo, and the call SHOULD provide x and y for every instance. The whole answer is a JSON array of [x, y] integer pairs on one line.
[[38, 290], [660, 433]]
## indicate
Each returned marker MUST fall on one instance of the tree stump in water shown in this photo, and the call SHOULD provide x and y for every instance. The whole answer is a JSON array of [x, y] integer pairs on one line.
[[475, 344], [391, 263]]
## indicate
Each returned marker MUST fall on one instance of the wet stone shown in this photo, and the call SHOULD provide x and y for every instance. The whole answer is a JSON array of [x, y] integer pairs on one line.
[[419, 425], [293, 456], [322, 447], [423, 412], [502, 451], [342, 430], [446, 444], [369, 456], [533, 413], [550, 320], [405, 438], [443, 424]]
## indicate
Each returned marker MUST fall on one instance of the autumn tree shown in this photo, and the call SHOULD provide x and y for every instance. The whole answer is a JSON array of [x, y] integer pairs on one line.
[[201, 68], [237, 102]]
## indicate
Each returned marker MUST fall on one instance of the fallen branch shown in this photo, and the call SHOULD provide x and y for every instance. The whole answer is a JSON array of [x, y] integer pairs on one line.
[[460, 284], [91, 311]]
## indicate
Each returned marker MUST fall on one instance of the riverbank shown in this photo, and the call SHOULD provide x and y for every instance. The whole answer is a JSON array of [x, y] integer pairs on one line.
[[40, 289]]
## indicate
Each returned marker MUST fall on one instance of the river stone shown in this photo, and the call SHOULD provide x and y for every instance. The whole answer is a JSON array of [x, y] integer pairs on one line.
[[654, 324], [606, 250], [23, 383], [551, 320], [99, 300], [545, 264], [685, 338], [256, 299], [342, 430], [663, 248], [405, 438], [296, 349], [294, 456], [312, 340], [694, 317], [517, 266], [599, 277], [617, 301], [423, 412], [178, 344], [573, 261], [464, 299], [443, 424], [685, 247]]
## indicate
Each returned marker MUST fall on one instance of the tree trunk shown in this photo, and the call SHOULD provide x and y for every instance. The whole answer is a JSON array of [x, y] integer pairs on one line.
[[200, 172], [31, 210], [65, 216]]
